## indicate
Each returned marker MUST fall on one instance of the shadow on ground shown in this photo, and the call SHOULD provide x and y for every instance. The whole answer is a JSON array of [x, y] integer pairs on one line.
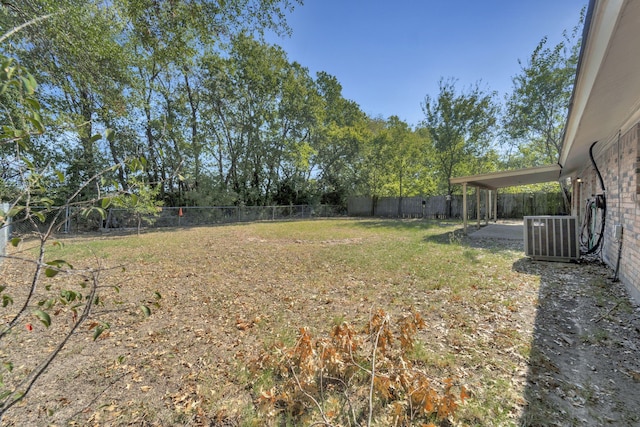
[[584, 364], [473, 240], [398, 224], [583, 367]]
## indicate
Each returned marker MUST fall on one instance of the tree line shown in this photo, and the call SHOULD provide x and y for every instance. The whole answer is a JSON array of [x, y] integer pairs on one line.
[[220, 117]]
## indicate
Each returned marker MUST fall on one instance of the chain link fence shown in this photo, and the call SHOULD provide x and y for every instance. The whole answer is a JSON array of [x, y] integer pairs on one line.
[[57, 219], [73, 220], [211, 215]]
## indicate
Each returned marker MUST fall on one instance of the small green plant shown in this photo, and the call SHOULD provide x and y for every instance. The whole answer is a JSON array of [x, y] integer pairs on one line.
[[471, 255], [419, 352], [141, 200], [353, 377], [600, 335], [338, 320], [455, 238]]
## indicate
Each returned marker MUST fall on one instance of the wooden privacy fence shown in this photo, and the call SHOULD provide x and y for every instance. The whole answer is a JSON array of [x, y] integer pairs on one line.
[[509, 206]]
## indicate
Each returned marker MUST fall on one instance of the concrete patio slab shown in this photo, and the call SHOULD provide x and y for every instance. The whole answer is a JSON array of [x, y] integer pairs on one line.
[[503, 230]]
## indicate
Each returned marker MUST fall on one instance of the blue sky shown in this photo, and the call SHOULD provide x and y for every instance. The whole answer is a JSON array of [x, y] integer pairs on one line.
[[389, 54]]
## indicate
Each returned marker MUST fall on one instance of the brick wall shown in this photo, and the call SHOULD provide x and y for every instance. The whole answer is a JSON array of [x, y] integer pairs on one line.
[[619, 165]]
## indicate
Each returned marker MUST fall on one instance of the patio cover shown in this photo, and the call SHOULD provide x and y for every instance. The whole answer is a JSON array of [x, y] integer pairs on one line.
[[606, 96], [492, 181], [495, 180]]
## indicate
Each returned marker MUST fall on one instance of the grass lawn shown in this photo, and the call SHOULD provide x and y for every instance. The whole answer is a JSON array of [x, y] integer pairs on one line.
[[230, 291]]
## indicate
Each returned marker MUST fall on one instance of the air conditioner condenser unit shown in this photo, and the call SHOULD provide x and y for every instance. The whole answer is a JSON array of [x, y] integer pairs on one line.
[[551, 238]]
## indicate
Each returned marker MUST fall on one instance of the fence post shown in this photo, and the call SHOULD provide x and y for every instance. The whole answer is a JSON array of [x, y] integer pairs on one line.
[[5, 230], [67, 220]]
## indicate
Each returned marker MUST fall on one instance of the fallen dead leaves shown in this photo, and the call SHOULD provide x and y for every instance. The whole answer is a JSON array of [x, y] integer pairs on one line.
[[243, 324], [228, 290]]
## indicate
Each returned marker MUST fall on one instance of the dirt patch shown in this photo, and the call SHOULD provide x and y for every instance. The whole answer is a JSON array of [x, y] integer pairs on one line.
[[584, 363], [584, 366]]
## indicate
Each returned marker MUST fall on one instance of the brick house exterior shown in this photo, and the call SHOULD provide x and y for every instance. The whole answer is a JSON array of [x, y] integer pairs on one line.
[[619, 163], [605, 109]]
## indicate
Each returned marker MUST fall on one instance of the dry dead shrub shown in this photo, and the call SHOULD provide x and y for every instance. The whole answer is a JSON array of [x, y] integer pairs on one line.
[[353, 377]]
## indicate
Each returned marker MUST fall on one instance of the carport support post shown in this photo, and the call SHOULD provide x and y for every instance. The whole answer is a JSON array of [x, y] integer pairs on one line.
[[489, 210], [478, 205], [495, 205], [464, 206]]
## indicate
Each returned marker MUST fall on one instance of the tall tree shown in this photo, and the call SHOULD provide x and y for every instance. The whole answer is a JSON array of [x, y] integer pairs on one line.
[[81, 67], [396, 161], [170, 40], [374, 154], [404, 156], [536, 109], [337, 141], [299, 117], [260, 111], [461, 127], [132, 65], [242, 97]]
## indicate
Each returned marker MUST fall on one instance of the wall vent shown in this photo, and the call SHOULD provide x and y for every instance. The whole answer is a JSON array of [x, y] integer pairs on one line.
[[551, 238]]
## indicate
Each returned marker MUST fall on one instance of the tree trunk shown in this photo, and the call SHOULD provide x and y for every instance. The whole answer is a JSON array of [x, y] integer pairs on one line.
[[85, 133], [195, 144]]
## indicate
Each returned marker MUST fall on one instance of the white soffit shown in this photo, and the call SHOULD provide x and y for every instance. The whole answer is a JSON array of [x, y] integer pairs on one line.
[[512, 178], [607, 91]]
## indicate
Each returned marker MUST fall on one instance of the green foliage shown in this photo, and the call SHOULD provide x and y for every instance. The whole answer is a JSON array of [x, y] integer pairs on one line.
[[338, 141], [20, 120], [461, 126], [261, 113], [537, 108], [224, 118], [396, 160], [135, 66], [32, 202], [43, 317], [17, 91], [141, 200]]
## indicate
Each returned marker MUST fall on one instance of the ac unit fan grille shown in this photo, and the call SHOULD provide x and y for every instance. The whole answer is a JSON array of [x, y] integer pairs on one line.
[[552, 238]]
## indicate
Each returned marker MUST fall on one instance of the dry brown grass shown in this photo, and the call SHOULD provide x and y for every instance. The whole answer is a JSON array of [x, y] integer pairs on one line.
[[229, 291]]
